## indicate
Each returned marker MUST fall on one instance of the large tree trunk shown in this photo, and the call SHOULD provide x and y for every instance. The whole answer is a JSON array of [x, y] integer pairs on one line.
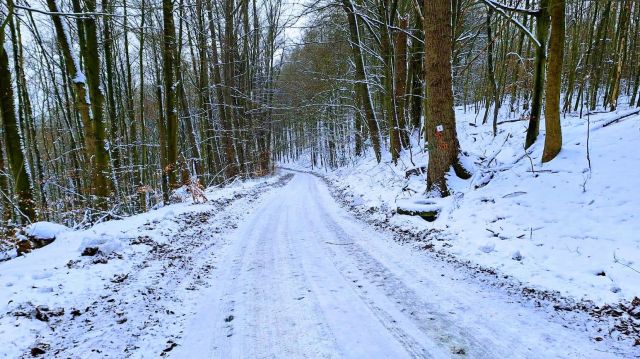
[[620, 54], [362, 86], [441, 123], [169, 78], [553, 139], [542, 31], [401, 81], [232, 148], [92, 64], [224, 111], [13, 139], [389, 112], [416, 74], [88, 101]]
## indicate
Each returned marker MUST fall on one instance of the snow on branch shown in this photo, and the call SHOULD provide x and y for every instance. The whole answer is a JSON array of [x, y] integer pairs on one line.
[[69, 14], [500, 9], [617, 117], [497, 5]]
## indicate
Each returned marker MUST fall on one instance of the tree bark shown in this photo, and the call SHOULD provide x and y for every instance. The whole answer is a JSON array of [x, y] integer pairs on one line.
[[416, 73], [91, 57], [169, 79], [88, 101], [620, 53], [14, 141], [362, 86], [553, 139], [441, 123], [401, 81], [542, 32], [233, 152], [7, 206]]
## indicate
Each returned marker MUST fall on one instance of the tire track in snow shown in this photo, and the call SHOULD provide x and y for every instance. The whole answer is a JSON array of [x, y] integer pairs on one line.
[[295, 296], [399, 283], [249, 287]]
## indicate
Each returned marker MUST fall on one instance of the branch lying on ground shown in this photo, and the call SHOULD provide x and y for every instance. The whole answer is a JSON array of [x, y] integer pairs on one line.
[[607, 121], [616, 260]]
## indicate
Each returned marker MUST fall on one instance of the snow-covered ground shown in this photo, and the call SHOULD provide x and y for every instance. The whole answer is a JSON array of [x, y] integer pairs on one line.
[[127, 300], [273, 269], [277, 268], [560, 225], [564, 226], [302, 278]]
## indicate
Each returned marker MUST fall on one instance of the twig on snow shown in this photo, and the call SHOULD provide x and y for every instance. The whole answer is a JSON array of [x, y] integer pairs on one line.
[[616, 260], [338, 244]]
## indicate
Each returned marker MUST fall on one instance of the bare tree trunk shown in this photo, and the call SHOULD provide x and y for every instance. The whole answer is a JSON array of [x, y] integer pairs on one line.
[[441, 123], [204, 101], [25, 110], [162, 129], [89, 109], [170, 87], [232, 150], [13, 139], [597, 64], [620, 53], [186, 113], [542, 31], [491, 76], [111, 102], [91, 57], [362, 86], [553, 139], [223, 111], [401, 81], [141, 171], [7, 206], [388, 97], [416, 72]]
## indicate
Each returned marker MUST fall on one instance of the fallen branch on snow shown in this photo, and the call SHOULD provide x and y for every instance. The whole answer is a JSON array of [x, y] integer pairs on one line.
[[616, 260], [615, 119]]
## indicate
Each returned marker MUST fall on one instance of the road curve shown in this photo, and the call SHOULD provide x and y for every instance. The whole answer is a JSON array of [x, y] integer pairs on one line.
[[302, 278]]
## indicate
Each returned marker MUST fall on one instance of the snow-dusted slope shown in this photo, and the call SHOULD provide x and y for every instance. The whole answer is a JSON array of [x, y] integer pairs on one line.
[[128, 299], [275, 270], [559, 226], [302, 278]]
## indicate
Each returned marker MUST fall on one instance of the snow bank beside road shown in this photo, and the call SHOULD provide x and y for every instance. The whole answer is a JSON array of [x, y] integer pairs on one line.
[[119, 276], [561, 226]]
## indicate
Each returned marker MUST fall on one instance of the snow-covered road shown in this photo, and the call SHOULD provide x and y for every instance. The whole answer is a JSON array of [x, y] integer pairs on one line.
[[302, 278]]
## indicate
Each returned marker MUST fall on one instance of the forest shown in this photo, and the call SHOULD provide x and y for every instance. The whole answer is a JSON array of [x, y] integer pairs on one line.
[[108, 107], [319, 178]]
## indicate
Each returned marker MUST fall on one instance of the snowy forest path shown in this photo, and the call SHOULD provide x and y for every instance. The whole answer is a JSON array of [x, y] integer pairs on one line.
[[302, 278]]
